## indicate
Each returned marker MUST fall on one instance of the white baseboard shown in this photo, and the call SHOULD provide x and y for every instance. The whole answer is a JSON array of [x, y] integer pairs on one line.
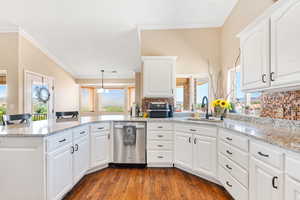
[[95, 169]]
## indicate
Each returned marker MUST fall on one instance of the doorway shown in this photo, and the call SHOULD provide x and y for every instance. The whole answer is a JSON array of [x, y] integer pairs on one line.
[[33, 104]]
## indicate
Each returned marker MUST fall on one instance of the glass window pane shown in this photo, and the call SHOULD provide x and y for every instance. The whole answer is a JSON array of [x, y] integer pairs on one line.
[[3, 92], [179, 97], [201, 91], [87, 99], [112, 101]]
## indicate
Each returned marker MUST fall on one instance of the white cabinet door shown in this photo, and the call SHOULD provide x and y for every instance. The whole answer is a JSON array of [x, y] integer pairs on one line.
[[159, 77], [81, 158], [266, 182], [292, 189], [184, 150], [205, 155], [255, 56], [285, 45], [99, 149], [59, 172]]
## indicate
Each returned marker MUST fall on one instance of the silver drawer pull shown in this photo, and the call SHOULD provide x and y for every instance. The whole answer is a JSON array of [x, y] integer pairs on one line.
[[160, 136], [160, 157], [227, 183], [62, 140], [263, 155], [229, 152], [82, 132], [228, 138], [228, 167], [160, 145], [101, 128], [193, 130], [159, 127]]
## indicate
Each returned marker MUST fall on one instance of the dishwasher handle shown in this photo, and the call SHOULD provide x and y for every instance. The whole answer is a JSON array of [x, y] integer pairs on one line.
[[119, 126]]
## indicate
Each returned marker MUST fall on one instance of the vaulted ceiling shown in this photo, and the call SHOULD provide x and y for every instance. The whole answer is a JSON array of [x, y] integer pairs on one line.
[[85, 35]]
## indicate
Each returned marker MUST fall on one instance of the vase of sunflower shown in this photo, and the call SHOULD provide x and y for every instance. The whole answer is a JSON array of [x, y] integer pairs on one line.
[[220, 107]]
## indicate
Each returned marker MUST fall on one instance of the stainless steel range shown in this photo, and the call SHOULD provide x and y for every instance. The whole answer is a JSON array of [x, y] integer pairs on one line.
[[129, 143]]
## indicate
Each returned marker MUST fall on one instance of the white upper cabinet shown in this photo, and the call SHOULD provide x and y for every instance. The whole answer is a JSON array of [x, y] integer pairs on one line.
[[285, 45], [270, 49], [159, 76], [255, 55]]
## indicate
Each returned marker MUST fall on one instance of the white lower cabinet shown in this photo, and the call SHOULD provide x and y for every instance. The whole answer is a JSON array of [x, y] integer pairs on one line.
[[184, 150], [205, 155], [292, 189], [196, 152], [99, 149], [266, 182], [81, 158], [59, 172]]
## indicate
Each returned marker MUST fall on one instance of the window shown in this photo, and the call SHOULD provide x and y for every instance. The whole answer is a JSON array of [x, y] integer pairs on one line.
[[87, 99], [201, 91], [244, 103], [3, 92], [112, 102], [179, 98]]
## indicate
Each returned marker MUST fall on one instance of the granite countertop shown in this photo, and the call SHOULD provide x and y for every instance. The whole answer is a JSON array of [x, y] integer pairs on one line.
[[282, 137]]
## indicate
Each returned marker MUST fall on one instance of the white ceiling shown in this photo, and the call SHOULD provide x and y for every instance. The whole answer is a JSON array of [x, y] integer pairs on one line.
[[85, 35]]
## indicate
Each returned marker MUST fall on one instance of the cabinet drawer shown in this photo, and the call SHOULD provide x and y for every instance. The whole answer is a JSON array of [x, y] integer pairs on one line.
[[160, 145], [234, 139], [80, 132], [100, 127], [237, 191], [160, 126], [266, 153], [236, 171], [199, 129], [58, 140], [160, 135], [238, 156], [160, 156]]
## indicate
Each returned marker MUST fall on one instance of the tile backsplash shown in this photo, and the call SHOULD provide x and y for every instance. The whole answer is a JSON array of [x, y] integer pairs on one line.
[[281, 105]]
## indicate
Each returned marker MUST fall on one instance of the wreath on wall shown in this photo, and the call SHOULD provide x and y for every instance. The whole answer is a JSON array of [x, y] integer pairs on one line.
[[43, 94]]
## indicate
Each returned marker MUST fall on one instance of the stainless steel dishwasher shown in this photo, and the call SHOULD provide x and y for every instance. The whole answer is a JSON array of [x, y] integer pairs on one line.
[[129, 143]]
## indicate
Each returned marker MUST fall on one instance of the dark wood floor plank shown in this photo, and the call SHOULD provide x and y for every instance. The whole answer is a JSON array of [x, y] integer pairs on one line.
[[145, 184]]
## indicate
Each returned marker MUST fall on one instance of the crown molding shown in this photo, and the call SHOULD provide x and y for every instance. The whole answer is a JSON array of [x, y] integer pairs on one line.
[[143, 27], [46, 51]]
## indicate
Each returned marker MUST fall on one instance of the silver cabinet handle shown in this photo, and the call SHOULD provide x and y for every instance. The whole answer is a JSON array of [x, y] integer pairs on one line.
[[272, 76], [227, 183], [195, 140], [263, 78], [273, 182], [72, 150], [62, 140], [228, 167], [160, 157], [229, 152], [82, 132], [263, 155], [160, 136], [159, 127], [101, 128], [108, 136], [228, 138], [193, 130], [190, 139], [76, 147], [160, 145]]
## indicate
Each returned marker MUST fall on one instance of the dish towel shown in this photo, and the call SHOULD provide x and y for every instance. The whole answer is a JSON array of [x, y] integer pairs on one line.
[[129, 135]]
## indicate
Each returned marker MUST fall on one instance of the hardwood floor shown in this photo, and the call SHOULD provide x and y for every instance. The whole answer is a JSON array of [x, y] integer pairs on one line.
[[145, 184]]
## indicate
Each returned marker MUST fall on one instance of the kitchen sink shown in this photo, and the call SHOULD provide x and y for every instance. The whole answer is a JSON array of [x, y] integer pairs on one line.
[[204, 119]]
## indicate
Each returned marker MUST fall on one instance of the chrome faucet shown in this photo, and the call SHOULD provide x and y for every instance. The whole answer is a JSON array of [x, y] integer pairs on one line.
[[205, 99]]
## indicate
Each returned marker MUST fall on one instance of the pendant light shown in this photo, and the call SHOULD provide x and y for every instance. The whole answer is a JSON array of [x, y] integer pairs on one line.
[[102, 90]]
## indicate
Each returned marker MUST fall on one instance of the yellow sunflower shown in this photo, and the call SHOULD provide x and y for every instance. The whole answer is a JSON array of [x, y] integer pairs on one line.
[[224, 104]]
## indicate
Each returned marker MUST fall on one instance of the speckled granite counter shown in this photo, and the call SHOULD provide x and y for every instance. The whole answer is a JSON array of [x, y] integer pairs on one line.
[[282, 137]]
